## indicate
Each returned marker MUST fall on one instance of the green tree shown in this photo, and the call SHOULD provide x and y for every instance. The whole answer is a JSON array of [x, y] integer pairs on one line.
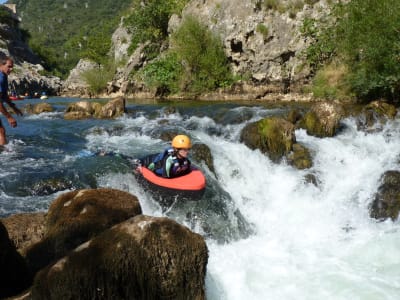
[[148, 21], [369, 32], [62, 32]]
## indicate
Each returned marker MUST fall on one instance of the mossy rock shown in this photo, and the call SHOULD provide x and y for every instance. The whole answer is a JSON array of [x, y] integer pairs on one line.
[[273, 136], [323, 119]]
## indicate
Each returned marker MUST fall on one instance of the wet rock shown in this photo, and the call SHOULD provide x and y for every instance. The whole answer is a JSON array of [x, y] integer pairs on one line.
[[112, 109], [142, 258], [312, 179], [201, 152], [300, 157], [77, 216], [387, 200], [323, 119], [51, 186], [375, 114], [38, 108], [25, 229], [294, 116], [14, 274], [272, 136]]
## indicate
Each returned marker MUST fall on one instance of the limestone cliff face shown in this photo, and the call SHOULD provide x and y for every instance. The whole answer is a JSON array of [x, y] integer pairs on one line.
[[26, 76], [263, 44]]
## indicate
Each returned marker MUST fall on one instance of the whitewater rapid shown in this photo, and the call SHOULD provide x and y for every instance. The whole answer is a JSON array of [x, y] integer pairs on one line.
[[310, 242], [306, 241]]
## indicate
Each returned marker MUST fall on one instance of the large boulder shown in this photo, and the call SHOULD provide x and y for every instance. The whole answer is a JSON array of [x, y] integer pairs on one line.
[[77, 216], [273, 136], [114, 108], [323, 119], [142, 258], [14, 274], [25, 229], [387, 200]]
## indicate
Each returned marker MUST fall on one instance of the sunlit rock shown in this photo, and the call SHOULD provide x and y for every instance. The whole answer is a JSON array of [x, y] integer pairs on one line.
[[272, 136], [14, 274], [112, 109], [142, 258], [387, 200], [323, 119], [77, 216]]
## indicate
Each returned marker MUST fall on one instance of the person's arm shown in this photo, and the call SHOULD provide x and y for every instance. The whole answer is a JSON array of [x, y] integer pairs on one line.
[[9, 117], [13, 106]]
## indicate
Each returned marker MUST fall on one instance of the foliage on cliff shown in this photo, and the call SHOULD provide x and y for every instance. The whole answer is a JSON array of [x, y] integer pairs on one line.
[[148, 22], [196, 62], [61, 32], [364, 37]]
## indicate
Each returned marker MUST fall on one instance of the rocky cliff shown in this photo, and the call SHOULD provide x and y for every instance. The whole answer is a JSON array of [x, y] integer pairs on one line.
[[263, 44], [26, 77]]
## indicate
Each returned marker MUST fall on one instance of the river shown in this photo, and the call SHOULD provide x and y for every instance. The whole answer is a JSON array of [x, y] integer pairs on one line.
[[270, 233]]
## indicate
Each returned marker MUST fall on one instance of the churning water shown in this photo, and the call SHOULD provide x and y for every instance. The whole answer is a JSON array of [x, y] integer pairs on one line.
[[271, 234]]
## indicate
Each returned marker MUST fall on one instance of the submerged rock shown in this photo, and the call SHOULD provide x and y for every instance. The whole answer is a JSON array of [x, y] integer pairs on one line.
[[300, 157], [142, 258], [38, 108]]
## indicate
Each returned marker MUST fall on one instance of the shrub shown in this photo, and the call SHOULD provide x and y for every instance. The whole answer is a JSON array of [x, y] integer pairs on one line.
[[163, 74], [97, 78], [330, 82], [370, 36], [261, 28], [149, 20], [206, 66]]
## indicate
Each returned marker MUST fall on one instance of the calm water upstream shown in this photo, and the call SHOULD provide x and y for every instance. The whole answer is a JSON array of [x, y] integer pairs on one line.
[[270, 234]]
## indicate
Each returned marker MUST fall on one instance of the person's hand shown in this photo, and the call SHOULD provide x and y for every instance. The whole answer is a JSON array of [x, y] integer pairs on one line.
[[12, 122], [17, 111]]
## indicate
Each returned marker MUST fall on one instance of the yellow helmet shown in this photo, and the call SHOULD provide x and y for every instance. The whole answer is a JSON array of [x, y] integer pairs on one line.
[[181, 141]]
